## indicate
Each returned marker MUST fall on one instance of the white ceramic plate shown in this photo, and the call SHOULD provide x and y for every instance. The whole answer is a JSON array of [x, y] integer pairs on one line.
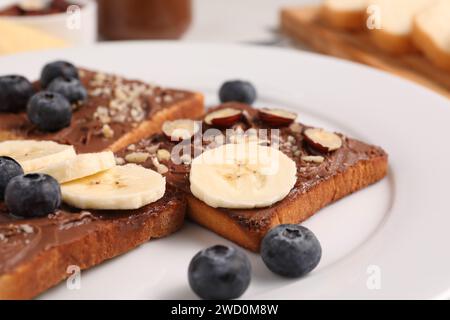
[[388, 241]]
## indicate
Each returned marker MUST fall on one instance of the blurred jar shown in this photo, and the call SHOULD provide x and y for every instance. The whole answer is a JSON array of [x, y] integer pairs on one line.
[[143, 19]]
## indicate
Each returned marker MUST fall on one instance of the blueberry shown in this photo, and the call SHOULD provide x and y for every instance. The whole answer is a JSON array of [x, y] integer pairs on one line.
[[57, 69], [49, 111], [14, 93], [219, 272], [291, 250], [237, 90], [70, 88], [32, 195], [9, 168]]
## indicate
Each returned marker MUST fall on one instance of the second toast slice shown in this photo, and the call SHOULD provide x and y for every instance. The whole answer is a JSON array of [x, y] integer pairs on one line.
[[322, 178]]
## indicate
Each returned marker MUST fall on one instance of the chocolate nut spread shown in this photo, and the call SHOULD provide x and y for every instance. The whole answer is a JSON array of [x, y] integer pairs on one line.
[[309, 173], [114, 107]]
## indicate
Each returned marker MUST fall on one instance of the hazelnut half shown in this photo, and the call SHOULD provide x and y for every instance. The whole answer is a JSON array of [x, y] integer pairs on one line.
[[322, 140], [181, 129], [223, 117]]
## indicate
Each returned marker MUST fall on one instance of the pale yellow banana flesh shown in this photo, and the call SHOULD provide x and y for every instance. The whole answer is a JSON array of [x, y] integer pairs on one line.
[[245, 175]]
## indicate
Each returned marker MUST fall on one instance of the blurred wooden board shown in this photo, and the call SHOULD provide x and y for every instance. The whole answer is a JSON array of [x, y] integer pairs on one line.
[[304, 25]]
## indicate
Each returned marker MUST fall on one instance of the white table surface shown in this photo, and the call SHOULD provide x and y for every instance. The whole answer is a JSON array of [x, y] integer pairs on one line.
[[237, 20]]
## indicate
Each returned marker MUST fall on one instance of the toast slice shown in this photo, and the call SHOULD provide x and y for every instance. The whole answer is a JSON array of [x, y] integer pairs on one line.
[[431, 33], [397, 16], [345, 14], [352, 167], [118, 112], [35, 254]]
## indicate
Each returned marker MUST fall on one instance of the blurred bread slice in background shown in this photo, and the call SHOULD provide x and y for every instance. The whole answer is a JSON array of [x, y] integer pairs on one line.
[[431, 33], [16, 38], [345, 14], [396, 22]]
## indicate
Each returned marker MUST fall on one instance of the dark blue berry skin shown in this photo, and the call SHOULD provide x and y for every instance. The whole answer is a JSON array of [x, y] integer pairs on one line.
[[9, 168], [49, 111], [14, 93], [237, 91], [219, 272], [70, 88], [32, 195], [57, 69], [291, 250]]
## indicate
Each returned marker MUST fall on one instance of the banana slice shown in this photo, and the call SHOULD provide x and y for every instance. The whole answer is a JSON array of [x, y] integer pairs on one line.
[[36, 155], [120, 188], [81, 166], [245, 175]]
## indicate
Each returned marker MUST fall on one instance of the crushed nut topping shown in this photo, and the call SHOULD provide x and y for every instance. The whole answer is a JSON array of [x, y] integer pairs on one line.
[[120, 161], [26, 228], [162, 169], [313, 159], [107, 131], [186, 159]]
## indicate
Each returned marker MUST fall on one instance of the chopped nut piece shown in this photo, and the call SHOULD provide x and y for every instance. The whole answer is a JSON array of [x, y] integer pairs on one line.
[[314, 159], [96, 92], [159, 167], [120, 94], [100, 76], [162, 169], [323, 140], [107, 131], [102, 114], [26, 228], [137, 157], [120, 161], [219, 139], [131, 147], [163, 155]]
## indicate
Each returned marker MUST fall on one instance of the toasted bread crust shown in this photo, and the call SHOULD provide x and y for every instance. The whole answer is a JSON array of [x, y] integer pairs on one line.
[[347, 20], [392, 43], [50, 266], [362, 174], [429, 47]]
